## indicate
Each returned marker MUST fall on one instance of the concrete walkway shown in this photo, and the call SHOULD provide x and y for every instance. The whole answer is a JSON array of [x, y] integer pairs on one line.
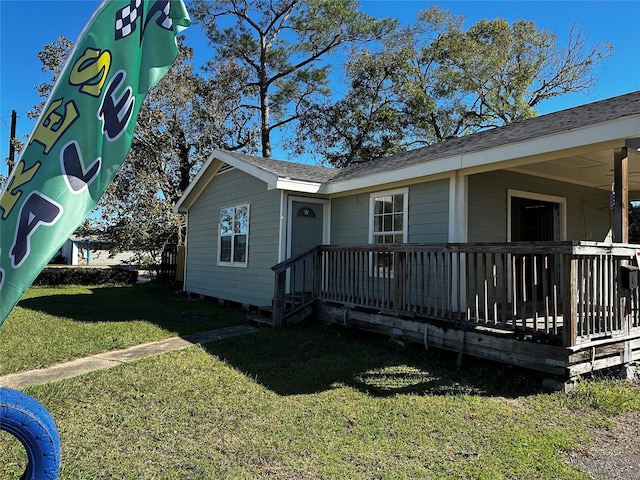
[[116, 357]]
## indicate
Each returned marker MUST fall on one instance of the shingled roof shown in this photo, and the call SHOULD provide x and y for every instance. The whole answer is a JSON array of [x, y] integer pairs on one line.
[[544, 125], [291, 170], [543, 131]]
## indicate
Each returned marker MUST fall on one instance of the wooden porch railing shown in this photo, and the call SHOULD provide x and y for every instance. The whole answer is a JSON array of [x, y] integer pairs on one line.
[[561, 292], [296, 285]]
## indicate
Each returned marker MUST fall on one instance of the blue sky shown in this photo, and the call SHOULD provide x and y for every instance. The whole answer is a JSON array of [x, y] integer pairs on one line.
[[27, 25]]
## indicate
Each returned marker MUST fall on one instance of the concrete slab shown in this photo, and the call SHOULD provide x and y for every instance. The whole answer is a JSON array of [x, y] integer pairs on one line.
[[56, 372], [113, 358]]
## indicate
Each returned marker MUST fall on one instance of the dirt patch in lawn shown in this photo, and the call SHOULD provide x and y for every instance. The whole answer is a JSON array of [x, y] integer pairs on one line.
[[614, 452]]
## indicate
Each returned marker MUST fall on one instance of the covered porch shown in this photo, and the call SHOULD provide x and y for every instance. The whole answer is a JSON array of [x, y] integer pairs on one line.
[[562, 308]]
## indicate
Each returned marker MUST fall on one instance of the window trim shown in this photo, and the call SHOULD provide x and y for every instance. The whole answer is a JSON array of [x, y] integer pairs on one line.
[[562, 209], [405, 211], [379, 272], [232, 263]]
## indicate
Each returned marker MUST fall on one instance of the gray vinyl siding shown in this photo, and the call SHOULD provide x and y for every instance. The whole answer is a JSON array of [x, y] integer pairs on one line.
[[588, 214], [429, 212], [252, 285], [428, 215], [350, 220]]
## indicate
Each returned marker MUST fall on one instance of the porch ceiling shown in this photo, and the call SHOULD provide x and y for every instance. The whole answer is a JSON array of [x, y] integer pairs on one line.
[[594, 169]]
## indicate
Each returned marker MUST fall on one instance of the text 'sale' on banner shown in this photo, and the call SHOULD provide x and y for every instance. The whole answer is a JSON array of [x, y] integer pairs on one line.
[[83, 134]]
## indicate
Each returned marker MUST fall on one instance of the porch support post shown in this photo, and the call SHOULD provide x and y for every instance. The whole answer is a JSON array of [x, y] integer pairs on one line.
[[458, 208], [621, 193], [458, 219]]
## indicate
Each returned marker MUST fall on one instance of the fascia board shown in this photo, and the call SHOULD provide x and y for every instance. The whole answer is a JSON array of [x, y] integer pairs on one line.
[[202, 178], [266, 177], [272, 180], [594, 134], [619, 129], [209, 170], [296, 185], [432, 167]]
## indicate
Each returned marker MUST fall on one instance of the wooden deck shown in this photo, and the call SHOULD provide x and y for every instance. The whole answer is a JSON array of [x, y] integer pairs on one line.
[[560, 308]]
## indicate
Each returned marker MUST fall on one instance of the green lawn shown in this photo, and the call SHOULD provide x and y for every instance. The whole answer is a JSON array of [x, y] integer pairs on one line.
[[318, 402], [53, 324]]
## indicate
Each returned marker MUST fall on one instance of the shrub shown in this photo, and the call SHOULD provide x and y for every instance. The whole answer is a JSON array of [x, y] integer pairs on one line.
[[85, 276], [59, 260]]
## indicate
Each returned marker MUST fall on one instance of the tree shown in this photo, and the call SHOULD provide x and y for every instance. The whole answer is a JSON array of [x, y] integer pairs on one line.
[[281, 46], [634, 222], [439, 80], [496, 73], [181, 121], [367, 123], [53, 57]]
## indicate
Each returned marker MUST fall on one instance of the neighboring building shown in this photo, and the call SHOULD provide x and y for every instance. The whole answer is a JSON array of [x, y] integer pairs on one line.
[[92, 252]]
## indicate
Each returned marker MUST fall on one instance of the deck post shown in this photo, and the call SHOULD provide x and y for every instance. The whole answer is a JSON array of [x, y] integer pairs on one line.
[[317, 276], [398, 281], [625, 317], [569, 294], [278, 298]]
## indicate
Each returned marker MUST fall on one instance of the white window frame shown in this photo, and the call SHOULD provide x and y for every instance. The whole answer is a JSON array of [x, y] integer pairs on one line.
[[380, 271], [562, 209], [233, 263], [405, 212], [561, 228]]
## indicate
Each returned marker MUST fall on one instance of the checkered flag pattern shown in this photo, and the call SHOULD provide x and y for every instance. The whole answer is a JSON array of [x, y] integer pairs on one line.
[[127, 17], [164, 20]]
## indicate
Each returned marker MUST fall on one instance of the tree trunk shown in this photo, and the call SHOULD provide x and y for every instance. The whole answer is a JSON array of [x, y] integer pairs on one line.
[[185, 164], [264, 122]]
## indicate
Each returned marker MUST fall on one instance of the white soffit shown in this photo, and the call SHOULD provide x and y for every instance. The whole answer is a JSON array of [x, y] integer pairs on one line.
[[618, 129], [593, 169], [424, 169]]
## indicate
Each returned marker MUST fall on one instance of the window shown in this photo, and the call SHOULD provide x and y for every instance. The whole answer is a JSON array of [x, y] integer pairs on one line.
[[387, 224], [389, 217], [233, 240]]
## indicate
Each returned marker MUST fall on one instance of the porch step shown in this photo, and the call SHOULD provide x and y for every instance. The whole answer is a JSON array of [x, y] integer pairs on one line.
[[263, 316]]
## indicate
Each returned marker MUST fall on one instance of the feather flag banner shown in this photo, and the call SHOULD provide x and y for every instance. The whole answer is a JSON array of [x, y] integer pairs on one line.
[[83, 134]]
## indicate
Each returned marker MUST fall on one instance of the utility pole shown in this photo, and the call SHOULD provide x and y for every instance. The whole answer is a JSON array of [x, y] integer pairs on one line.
[[12, 150]]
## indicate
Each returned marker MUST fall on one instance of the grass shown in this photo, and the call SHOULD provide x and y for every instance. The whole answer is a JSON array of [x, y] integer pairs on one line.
[[318, 402], [54, 324]]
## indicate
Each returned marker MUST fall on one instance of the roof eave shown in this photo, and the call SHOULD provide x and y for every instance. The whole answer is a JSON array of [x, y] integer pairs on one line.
[[193, 191], [208, 172], [220, 157], [610, 132]]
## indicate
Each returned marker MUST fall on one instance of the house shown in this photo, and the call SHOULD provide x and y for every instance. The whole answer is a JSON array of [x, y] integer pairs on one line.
[[506, 212], [91, 251]]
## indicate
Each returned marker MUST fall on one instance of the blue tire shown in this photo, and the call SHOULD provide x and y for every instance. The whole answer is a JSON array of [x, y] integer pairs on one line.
[[24, 418]]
